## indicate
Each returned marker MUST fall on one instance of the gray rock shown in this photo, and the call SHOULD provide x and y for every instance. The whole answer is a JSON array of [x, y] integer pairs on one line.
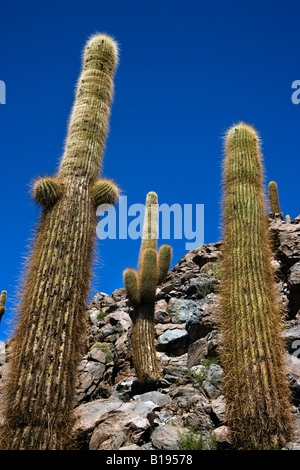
[[2, 352], [166, 437], [181, 310], [213, 380], [161, 399], [218, 406], [123, 390], [173, 341], [197, 352], [294, 289]]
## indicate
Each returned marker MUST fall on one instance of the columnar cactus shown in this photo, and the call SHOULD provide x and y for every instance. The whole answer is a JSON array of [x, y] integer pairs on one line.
[[47, 344], [255, 386], [288, 219], [2, 303], [141, 289], [273, 198]]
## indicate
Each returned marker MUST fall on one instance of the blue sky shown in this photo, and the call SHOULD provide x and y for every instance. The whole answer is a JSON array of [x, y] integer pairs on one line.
[[188, 71]]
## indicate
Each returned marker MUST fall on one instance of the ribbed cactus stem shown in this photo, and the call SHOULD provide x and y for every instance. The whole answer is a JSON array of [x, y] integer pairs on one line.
[[255, 386], [288, 219], [141, 290], [273, 198], [48, 340], [2, 303]]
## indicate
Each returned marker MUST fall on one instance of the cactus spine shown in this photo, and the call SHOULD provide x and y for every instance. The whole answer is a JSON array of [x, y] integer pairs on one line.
[[47, 343], [141, 289], [273, 198], [257, 394], [2, 303]]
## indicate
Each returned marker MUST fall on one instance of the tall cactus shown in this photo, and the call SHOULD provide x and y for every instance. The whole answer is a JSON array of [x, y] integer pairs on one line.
[[141, 289], [273, 198], [48, 338], [2, 303], [256, 390]]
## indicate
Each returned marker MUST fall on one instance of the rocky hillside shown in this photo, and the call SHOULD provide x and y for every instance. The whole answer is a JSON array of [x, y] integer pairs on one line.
[[187, 409]]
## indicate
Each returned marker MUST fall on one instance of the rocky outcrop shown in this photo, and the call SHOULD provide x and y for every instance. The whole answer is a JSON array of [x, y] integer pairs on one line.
[[114, 412]]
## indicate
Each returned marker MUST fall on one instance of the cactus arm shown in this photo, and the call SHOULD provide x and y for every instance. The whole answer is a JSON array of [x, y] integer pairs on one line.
[[105, 192], [47, 191], [131, 285], [164, 261]]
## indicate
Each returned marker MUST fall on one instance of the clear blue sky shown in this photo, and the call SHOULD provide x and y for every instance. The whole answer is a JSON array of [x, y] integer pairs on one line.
[[188, 70]]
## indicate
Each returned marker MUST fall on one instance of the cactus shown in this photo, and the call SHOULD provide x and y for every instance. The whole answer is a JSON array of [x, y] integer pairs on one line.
[[2, 303], [273, 198], [47, 343], [141, 289], [255, 386], [288, 219]]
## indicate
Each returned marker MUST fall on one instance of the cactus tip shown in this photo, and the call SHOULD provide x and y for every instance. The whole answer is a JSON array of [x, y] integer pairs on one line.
[[104, 42]]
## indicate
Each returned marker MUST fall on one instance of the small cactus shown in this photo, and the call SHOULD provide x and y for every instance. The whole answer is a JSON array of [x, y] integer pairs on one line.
[[273, 198], [2, 303], [141, 290], [288, 219]]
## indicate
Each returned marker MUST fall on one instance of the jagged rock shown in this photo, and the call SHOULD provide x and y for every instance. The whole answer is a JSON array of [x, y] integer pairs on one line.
[[294, 289], [161, 313], [218, 408], [222, 436], [213, 380], [181, 310], [161, 399], [288, 242], [2, 353], [173, 341], [203, 320], [197, 352], [166, 437]]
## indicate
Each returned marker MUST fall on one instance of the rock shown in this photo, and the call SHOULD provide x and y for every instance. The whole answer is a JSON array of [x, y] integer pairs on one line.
[[294, 289], [202, 321], [90, 374], [161, 315], [222, 437], [88, 415], [124, 389], [218, 408], [161, 399], [181, 310], [212, 381], [173, 341], [166, 437], [114, 429], [132, 447], [288, 250], [2, 352], [197, 352], [207, 253]]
